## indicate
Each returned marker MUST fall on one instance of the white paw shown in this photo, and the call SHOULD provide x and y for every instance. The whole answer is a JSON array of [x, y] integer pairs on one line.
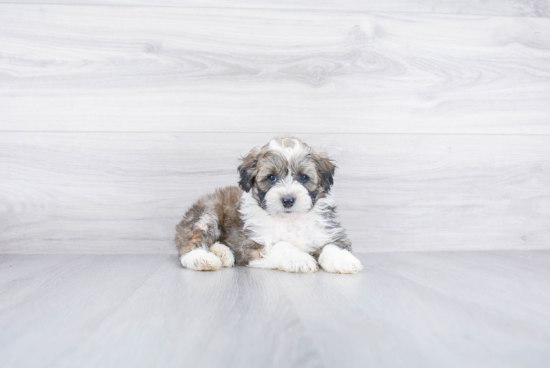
[[337, 260], [224, 253], [285, 257], [299, 262], [200, 260]]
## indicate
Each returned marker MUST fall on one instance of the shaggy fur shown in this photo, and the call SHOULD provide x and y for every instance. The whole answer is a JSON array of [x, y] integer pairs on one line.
[[282, 216]]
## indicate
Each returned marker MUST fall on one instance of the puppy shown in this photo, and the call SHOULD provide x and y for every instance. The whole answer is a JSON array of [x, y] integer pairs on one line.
[[282, 216]]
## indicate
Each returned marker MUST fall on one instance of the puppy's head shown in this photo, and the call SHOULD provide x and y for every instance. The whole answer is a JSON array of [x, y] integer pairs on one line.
[[286, 176]]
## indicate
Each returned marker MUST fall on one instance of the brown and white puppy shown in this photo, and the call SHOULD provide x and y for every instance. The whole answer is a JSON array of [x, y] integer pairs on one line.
[[282, 216]]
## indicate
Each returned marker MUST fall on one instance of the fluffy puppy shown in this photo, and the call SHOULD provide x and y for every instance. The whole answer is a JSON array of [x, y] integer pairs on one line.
[[282, 216]]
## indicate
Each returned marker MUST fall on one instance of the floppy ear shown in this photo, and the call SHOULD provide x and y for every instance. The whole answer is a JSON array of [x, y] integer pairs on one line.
[[325, 169], [247, 170]]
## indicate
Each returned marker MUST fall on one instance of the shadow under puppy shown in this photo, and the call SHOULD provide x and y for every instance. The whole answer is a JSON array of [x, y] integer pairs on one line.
[[282, 216]]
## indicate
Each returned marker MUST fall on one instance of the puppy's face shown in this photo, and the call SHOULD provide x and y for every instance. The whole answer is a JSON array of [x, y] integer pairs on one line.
[[286, 176]]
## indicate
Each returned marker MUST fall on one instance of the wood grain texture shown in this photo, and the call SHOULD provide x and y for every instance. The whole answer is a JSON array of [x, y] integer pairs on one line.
[[235, 318], [431, 310], [463, 309], [95, 68], [519, 8], [65, 299], [124, 193]]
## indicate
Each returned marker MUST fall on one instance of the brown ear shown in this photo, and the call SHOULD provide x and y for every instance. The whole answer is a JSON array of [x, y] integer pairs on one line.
[[325, 169], [247, 170]]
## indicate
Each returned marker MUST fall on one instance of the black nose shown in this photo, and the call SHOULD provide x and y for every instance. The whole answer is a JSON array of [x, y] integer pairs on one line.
[[288, 201]]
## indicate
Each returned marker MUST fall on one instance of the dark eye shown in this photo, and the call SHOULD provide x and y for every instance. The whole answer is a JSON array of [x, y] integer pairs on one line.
[[302, 178], [272, 178]]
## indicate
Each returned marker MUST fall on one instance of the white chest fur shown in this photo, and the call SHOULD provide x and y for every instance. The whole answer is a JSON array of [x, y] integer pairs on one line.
[[306, 231]]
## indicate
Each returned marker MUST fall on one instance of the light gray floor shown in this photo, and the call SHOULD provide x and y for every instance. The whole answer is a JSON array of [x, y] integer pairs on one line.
[[433, 309]]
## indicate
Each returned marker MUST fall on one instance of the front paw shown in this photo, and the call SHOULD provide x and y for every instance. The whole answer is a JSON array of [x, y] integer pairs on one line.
[[334, 259], [299, 262]]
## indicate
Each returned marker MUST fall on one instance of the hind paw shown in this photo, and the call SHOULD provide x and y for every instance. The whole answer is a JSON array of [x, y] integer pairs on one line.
[[200, 260], [224, 253]]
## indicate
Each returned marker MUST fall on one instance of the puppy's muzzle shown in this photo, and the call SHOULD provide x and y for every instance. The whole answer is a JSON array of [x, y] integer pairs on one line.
[[288, 201]]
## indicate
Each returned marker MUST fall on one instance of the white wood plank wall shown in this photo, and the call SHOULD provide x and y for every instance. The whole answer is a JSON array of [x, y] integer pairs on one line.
[[520, 8], [116, 115]]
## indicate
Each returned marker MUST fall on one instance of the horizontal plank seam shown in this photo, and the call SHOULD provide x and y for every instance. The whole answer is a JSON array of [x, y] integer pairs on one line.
[[363, 253], [248, 132], [352, 11], [455, 250]]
